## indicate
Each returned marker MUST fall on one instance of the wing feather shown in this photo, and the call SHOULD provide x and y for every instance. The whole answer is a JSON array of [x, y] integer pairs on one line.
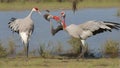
[[21, 25], [13, 25], [97, 27]]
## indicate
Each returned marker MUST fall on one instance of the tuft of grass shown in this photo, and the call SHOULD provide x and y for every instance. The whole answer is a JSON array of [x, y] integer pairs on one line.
[[41, 50], [3, 51], [118, 12], [45, 50], [51, 50], [58, 48], [111, 48], [76, 45], [77, 48], [12, 47]]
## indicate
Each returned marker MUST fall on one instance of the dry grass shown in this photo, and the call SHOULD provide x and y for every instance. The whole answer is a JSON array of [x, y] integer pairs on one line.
[[111, 48], [56, 63]]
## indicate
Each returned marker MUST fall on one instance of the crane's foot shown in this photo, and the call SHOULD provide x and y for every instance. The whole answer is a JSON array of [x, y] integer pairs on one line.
[[80, 56], [26, 58]]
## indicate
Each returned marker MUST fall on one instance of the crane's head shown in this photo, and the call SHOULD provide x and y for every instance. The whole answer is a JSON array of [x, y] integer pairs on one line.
[[37, 10], [47, 16], [63, 21], [63, 14]]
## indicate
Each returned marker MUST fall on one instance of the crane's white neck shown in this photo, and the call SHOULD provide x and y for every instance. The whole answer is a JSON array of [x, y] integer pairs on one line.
[[51, 25], [30, 14]]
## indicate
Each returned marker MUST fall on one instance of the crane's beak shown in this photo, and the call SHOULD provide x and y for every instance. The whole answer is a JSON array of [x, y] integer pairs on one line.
[[39, 12]]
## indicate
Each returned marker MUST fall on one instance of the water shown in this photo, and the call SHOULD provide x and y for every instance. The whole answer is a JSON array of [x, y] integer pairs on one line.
[[42, 28]]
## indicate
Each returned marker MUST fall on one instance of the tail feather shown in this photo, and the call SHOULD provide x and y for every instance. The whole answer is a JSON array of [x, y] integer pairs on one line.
[[113, 26], [12, 20], [12, 25], [112, 23]]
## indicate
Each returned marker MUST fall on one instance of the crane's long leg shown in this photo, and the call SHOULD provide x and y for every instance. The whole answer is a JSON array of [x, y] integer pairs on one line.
[[83, 49], [27, 49], [25, 39]]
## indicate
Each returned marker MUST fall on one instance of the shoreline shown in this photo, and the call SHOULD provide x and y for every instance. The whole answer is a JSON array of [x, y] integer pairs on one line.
[[54, 6]]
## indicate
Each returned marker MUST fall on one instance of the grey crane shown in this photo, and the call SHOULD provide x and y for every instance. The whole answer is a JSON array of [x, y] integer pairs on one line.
[[87, 29], [74, 5], [24, 27], [58, 19]]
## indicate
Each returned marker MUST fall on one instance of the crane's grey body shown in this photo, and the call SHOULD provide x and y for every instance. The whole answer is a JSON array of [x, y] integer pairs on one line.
[[24, 27], [90, 28]]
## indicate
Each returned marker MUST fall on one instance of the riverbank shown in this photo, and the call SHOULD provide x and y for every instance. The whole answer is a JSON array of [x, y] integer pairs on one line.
[[59, 63], [56, 5]]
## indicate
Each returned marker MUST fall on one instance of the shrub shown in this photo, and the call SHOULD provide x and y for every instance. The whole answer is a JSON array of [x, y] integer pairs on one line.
[[50, 50], [3, 51], [76, 45], [58, 48], [111, 48], [43, 51], [12, 48]]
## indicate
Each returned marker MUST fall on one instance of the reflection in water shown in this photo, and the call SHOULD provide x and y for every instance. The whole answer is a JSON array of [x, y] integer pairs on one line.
[[42, 27]]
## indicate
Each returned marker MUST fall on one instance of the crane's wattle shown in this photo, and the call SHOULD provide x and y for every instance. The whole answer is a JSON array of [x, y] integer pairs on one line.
[[64, 24], [57, 18]]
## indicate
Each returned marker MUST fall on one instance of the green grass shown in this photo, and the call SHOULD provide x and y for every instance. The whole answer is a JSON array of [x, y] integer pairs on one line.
[[57, 5], [57, 63], [94, 4], [29, 5]]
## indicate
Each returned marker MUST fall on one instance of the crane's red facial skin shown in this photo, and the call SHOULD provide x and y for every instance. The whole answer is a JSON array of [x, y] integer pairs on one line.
[[62, 13], [57, 18], [36, 9]]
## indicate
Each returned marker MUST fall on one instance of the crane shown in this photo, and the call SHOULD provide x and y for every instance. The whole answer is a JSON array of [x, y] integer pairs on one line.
[[58, 19], [74, 5], [24, 27], [86, 30]]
